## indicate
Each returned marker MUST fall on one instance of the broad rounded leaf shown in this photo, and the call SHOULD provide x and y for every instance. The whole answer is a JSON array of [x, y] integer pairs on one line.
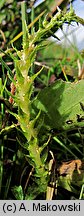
[[62, 104]]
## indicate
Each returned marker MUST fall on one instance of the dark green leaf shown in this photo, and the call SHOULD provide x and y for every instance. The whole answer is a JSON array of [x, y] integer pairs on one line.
[[18, 192]]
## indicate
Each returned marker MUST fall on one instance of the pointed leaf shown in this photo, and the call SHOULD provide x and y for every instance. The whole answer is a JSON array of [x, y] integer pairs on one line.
[[18, 192]]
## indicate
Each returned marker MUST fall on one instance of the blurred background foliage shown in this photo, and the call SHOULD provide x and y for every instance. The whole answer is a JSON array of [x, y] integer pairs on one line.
[[10, 16], [10, 26]]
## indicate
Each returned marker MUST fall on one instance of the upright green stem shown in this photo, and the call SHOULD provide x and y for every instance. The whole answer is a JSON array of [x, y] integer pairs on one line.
[[32, 19], [1, 140], [82, 192], [1, 163], [23, 9], [32, 32]]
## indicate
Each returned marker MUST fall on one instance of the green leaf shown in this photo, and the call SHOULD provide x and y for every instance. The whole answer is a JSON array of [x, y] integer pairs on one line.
[[61, 104], [18, 192], [7, 129], [69, 183], [65, 182], [2, 2], [44, 156], [32, 192], [5, 66]]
